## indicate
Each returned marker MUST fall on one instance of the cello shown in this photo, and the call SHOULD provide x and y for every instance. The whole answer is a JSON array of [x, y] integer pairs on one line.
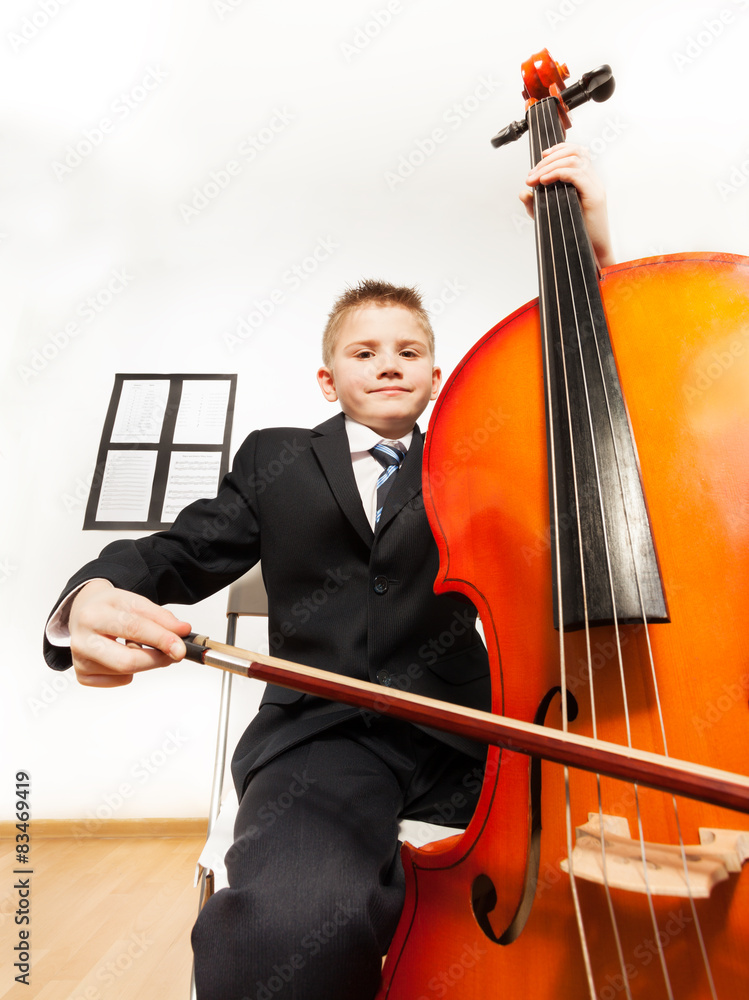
[[601, 528]]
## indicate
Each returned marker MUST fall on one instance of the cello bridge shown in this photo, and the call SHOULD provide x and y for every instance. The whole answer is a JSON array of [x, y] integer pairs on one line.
[[616, 859]]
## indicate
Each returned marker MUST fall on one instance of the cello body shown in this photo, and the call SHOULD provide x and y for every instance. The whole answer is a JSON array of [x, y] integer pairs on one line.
[[679, 329]]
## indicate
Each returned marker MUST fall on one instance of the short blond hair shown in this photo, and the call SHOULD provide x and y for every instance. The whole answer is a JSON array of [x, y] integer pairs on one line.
[[372, 292]]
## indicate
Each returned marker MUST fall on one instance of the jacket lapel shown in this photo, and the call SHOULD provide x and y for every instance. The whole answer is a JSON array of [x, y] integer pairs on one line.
[[331, 447]]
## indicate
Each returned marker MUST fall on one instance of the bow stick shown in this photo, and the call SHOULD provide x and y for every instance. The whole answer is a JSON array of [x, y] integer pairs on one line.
[[665, 774]]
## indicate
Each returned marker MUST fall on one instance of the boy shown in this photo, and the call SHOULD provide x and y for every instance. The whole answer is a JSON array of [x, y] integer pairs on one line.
[[316, 890]]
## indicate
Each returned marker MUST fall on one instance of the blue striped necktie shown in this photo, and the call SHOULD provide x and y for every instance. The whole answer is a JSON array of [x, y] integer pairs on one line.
[[390, 459]]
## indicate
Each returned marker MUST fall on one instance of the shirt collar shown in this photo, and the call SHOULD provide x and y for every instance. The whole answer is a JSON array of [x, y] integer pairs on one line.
[[362, 438]]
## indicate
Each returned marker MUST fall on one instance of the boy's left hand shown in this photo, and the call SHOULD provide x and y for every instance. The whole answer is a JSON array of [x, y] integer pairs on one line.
[[570, 163]]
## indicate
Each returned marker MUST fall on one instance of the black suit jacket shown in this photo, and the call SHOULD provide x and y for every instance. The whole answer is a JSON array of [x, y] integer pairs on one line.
[[340, 596]]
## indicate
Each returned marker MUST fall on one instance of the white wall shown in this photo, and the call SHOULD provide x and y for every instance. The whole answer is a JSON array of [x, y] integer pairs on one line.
[[203, 78]]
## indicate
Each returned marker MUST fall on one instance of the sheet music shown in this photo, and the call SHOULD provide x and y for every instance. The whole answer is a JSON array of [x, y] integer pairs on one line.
[[126, 486], [165, 443], [140, 412], [201, 418], [192, 475]]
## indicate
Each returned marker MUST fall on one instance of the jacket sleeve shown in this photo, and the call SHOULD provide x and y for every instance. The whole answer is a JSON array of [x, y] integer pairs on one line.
[[211, 543]]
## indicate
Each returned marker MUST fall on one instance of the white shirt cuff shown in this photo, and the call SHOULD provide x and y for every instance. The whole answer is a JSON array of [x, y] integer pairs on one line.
[[57, 631]]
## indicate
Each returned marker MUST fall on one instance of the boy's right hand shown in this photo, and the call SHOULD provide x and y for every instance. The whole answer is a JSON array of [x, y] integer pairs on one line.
[[100, 614]]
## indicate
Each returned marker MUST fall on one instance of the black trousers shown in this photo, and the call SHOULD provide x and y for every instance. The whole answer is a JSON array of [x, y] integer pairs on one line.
[[315, 880]]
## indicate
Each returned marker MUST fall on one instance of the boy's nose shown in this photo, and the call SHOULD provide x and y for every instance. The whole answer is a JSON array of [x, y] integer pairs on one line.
[[390, 368]]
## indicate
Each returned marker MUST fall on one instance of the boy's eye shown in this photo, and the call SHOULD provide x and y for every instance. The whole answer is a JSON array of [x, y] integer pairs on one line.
[[364, 354]]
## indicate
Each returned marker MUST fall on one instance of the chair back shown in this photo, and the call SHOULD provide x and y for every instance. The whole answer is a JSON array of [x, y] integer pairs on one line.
[[247, 595]]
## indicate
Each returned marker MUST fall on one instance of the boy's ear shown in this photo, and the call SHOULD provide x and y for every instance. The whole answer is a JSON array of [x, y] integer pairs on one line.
[[436, 382], [327, 384]]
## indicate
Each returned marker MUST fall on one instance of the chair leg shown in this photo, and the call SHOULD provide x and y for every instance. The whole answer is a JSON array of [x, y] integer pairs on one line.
[[206, 878]]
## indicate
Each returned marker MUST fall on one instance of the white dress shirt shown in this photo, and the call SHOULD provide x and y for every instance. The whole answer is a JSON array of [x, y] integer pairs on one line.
[[366, 467]]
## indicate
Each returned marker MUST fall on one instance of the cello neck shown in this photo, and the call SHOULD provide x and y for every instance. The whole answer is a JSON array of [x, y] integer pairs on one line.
[[605, 567]]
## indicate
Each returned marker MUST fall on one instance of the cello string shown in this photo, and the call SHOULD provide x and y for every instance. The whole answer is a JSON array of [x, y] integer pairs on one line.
[[639, 814], [555, 258], [541, 196], [566, 386], [538, 197], [651, 661], [653, 917], [693, 906], [549, 113], [642, 844]]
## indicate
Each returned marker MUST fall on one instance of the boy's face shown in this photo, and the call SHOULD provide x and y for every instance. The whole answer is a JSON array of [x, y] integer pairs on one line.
[[382, 372]]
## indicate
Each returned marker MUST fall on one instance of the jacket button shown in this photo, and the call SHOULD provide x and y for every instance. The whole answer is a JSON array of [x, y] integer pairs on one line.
[[384, 678], [380, 585]]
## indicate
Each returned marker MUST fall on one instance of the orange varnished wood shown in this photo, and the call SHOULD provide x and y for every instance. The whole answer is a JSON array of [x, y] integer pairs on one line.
[[680, 330]]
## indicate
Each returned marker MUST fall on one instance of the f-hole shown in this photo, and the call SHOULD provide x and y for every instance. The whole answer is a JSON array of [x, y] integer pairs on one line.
[[483, 890]]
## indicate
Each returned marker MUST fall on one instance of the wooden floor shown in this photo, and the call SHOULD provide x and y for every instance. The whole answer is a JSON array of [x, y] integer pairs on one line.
[[110, 918]]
